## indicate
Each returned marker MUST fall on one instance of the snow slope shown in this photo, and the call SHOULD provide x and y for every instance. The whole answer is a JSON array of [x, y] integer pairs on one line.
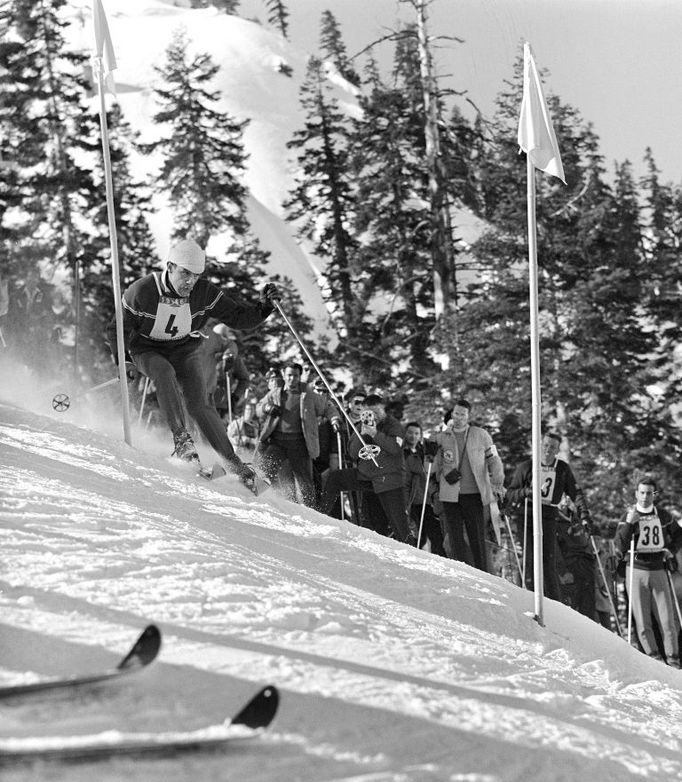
[[393, 664]]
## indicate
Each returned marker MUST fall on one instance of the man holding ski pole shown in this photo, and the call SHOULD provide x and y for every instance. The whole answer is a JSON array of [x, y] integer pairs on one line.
[[162, 315]]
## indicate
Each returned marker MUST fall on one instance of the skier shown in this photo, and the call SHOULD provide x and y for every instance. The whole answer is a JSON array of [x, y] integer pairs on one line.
[[162, 315]]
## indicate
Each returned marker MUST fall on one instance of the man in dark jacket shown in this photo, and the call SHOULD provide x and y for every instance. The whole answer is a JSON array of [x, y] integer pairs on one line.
[[417, 456], [382, 477], [162, 315]]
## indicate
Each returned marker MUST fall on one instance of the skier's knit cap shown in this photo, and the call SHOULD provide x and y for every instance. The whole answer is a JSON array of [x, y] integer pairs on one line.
[[189, 255]]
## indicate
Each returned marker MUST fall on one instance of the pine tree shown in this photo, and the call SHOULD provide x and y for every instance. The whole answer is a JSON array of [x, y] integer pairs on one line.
[[203, 155], [333, 49], [322, 201], [50, 130], [278, 16]]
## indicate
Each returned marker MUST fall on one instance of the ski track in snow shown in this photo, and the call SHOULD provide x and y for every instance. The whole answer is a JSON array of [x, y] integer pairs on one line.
[[261, 590]]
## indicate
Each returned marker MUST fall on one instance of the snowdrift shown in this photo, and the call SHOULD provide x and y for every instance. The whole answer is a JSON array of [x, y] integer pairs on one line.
[[392, 663]]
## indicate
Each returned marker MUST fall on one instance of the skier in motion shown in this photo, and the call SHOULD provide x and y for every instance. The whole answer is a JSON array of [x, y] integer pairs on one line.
[[162, 315]]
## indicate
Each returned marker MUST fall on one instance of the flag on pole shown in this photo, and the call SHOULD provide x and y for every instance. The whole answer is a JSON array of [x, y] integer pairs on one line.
[[536, 134], [104, 48]]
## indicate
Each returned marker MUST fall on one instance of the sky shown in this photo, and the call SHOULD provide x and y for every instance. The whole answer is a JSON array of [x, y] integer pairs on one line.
[[394, 665], [617, 61]]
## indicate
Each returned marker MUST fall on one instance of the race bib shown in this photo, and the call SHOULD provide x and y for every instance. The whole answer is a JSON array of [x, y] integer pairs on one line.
[[650, 534], [173, 319], [547, 482]]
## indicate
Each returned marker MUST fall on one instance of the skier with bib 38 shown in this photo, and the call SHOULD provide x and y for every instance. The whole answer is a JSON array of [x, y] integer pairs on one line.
[[162, 315]]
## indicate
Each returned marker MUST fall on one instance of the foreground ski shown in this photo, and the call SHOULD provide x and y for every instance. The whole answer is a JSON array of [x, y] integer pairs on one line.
[[256, 715], [143, 652]]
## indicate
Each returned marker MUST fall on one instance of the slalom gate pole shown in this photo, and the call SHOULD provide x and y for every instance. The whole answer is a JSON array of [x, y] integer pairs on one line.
[[317, 369], [144, 399], [674, 596], [341, 494], [606, 586], [426, 491], [630, 588]]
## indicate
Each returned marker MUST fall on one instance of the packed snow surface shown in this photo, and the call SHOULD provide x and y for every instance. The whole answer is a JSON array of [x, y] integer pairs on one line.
[[393, 664]]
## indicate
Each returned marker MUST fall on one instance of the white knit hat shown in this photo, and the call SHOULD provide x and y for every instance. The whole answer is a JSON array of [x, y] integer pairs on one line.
[[189, 255]]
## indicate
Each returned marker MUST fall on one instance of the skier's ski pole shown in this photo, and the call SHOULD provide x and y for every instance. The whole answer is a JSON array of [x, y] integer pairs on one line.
[[61, 402], [341, 494], [525, 537], [228, 391], [674, 596], [144, 399], [513, 542], [606, 586], [370, 451], [630, 587], [426, 492]]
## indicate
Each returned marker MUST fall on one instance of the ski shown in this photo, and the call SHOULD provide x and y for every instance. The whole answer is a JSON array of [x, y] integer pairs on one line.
[[143, 652], [248, 723]]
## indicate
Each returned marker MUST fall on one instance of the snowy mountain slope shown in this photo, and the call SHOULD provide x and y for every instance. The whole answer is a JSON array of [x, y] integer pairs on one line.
[[253, 88], [393, 663]]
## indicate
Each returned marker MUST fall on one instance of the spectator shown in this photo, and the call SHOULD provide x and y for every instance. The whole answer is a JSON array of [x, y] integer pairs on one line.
[[290, 433], [417, 455], [383, 481], [656, 538], [162, 313], [232, 375], [557, 479], [244, 431], [470, 475]]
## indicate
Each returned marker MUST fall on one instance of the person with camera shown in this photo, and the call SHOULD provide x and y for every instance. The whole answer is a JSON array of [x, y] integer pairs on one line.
[[470, 476], [647, 538], [379, 473], [290, 436]]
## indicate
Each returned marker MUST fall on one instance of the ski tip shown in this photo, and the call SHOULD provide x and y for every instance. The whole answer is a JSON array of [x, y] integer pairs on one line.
[[144, 651], [260, 710]]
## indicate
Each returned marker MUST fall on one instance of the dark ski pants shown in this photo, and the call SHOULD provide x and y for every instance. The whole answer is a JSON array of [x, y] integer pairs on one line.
[[431, 530], [466, 512], [391, 502], [294, 454], [552, 585], [177, 371]]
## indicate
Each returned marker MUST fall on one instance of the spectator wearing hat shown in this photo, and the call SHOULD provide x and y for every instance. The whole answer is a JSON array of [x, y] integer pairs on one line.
[[470, 476], [290, 436], [380, 479], [222, 366], [162, 315]]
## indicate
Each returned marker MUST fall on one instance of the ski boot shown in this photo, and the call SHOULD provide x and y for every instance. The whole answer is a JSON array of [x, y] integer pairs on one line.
[[184, 447], [247, 475]]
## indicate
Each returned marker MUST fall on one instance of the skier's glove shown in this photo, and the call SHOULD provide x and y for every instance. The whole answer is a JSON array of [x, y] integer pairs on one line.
[[270, 293], [336, 424]]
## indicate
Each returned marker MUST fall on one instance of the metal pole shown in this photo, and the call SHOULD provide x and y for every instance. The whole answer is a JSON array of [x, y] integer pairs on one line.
[[674, 595], [314, 365], [536, 400], [115, 273], [630, 587], [606, 586], [426, 491], [228, 391], [516, 553], [144, 399], [341, 494]]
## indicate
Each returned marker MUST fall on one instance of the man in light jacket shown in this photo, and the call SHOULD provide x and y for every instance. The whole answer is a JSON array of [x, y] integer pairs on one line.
[[470, 476]]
